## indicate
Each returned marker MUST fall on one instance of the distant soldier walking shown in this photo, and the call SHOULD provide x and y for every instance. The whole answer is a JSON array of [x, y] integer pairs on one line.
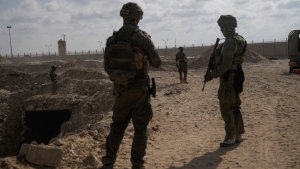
[[181, 63], [228, 67], [53, 79]]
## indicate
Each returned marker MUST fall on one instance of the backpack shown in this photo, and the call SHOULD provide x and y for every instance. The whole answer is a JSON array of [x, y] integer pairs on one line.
[[124, 59]]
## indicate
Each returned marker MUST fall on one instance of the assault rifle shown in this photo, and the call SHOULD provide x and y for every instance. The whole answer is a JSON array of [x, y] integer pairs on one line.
[[211, 60], [153, 88]]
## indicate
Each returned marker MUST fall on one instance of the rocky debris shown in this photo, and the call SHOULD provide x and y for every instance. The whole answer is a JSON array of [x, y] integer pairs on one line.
[[41, 155], [90, 160], [85, 92], [155, 128]]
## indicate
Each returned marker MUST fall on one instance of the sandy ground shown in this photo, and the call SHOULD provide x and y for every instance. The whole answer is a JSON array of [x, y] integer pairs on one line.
[[190, 125], [187, 127]]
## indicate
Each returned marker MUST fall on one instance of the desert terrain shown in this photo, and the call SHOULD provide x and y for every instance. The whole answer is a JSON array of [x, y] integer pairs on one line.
[[186, 128]]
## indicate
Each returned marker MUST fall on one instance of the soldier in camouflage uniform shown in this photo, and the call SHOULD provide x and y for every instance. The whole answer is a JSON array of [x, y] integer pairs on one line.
[[133, 100], [53, 79], [228, 65], [181, 63]]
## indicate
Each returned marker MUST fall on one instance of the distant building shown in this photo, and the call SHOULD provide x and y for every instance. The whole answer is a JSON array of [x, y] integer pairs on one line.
[[62, 48]]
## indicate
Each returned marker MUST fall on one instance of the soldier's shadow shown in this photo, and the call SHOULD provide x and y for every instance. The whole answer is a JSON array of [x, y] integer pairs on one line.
[[286, 74], [171, 85], [209, 160]]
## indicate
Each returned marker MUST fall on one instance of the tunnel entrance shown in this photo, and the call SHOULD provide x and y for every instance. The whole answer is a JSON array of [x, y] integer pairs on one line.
[[42, 126]]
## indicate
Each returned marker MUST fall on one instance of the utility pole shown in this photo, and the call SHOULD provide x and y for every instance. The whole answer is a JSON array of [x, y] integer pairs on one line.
[[100, 45], [193, 50], [166, 46], [48, 48], [64, 36], [10, 41]]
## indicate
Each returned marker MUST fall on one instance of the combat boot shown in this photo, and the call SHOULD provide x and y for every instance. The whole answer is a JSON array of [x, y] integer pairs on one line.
[[227, 142], [239, 138], [184, 81]]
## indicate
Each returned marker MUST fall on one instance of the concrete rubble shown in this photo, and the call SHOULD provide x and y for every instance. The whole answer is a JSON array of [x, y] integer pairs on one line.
[[41, 154]]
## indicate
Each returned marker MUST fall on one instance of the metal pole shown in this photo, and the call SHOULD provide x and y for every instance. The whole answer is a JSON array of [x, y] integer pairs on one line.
[[64, 36], [193, 50], [263, 47], [100, 45], [274, 47], [175, 43], [10, 41], [48, 48], [166, 46]]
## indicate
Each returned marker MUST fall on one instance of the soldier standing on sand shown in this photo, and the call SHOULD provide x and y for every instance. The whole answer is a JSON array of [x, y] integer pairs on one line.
[[132, 99], [53, 79], [228, 63], [181, 63]]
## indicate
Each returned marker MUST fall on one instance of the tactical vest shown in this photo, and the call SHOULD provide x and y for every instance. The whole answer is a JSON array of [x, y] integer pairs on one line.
[[180, 56], [52, 75], [124, 59], [239, 53]]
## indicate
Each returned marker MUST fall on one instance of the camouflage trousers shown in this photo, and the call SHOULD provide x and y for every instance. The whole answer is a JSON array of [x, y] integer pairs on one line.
[[54, 87], [230, 103], [129, 104], [182, 68]]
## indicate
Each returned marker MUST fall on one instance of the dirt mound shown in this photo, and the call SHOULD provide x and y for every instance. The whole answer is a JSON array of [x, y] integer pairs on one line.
[[168, 64], [83, 73], [254, 57], [90, 64], [48, 62], [4, 61], [202, 61], [82, 90], [39, 66]]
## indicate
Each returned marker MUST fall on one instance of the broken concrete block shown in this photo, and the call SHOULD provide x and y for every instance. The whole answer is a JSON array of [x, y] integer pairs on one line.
[[42, 155], [24, 150]]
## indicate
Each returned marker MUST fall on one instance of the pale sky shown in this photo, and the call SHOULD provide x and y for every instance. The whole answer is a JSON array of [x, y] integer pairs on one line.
[[37, 23]]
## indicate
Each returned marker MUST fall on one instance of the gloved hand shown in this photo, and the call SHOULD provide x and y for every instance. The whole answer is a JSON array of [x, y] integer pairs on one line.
[[208, 77]]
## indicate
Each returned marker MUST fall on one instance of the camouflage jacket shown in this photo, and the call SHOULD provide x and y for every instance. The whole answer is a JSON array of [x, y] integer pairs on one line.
[[180, 56], [52, 75]]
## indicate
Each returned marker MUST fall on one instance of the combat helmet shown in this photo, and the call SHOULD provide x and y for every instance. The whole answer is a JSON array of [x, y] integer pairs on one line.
[[131, 10], [226, 20], [180, 48], [53, 67]]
